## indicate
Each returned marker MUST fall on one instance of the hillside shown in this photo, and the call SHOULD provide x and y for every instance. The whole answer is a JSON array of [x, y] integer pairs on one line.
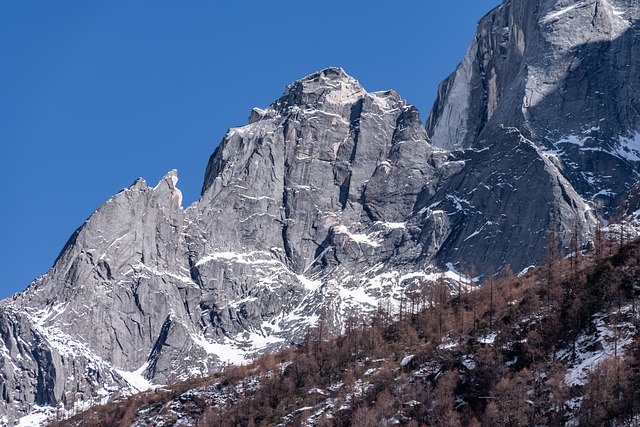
[[556, 346]]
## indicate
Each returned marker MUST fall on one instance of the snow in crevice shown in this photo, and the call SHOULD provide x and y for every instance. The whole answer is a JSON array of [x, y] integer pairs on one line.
[[114, 243], [139, 269], [252, 258], [458, 202], [554, 15], [316, 259], [478, 231], [359, 238]]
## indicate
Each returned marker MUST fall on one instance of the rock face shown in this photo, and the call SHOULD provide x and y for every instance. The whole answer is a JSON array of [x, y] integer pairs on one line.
[[562, 72], [103, 304], [326, 203]]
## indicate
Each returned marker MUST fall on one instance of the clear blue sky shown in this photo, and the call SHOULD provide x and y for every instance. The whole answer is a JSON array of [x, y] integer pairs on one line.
[[94, 94]]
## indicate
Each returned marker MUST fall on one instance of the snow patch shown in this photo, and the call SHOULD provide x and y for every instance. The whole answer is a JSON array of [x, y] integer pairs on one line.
[[345, 93], [488, 339], [406, 360], [611, 339], [526, 270], [392, 225], [228, 352], [241, 258], [573, 139], [358, 295], [38, 417], [458, 276], [558, 13], [310, 285], [359, 238], [629, 147], [136, 379]]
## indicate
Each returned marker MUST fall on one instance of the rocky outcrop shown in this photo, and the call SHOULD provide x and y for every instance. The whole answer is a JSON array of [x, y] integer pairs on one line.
[[563, 73]]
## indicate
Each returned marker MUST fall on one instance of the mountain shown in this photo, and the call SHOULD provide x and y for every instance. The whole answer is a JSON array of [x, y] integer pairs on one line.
[[333, 201], [561, 72], [495, 356]]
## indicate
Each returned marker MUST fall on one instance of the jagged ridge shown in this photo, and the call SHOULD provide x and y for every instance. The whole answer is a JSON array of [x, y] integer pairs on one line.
[[329, 201]]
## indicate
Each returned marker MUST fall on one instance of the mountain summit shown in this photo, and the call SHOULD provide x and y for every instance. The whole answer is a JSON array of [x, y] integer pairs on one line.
[[331, 200]]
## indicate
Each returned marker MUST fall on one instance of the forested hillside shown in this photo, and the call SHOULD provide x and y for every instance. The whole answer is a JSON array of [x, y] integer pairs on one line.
[[556, 346]]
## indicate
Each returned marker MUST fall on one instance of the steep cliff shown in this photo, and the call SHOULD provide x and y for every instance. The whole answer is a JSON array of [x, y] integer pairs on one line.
[[564, 74]]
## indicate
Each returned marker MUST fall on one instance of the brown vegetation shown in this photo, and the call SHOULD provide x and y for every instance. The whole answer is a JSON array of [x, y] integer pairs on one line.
[[487, 357]]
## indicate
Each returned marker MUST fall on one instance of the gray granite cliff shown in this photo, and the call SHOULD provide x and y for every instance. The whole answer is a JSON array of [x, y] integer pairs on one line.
[[562, 72]]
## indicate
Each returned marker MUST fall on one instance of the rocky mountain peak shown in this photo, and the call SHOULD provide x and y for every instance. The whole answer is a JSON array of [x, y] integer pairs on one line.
[[329, 87], [139, 184], [561, 72]]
